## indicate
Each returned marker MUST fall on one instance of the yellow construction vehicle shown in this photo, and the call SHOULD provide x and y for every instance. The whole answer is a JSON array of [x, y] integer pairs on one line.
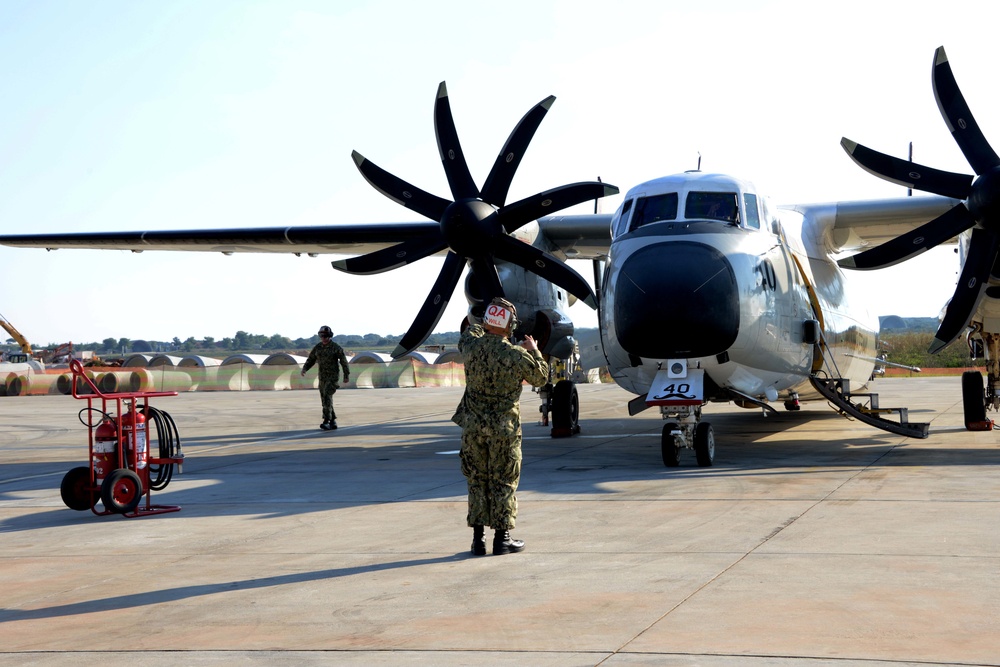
[[26, 351]]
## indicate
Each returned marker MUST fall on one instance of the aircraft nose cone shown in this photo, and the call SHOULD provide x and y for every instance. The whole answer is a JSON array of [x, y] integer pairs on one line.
[[676, 299]]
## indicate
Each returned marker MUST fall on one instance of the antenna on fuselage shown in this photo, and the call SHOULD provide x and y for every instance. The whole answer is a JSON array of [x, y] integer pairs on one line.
[[699, 161], [597, 202]]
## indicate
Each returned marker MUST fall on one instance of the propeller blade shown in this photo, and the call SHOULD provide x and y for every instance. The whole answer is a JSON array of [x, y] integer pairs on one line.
[[971, 284], [498, 182], [452, 157], [392, 257], [398, 190], [433, 307], [485, 273], [909, 174], [949, 224], [516, 215], [545, 265], [958, 116]]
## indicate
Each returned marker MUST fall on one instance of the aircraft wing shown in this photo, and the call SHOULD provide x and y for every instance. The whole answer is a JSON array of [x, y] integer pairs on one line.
[[332, 239], [849, 226], [843, 226], [577, 236]]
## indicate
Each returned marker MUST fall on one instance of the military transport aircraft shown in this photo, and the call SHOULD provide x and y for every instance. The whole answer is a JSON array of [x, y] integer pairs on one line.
[[706, 291]]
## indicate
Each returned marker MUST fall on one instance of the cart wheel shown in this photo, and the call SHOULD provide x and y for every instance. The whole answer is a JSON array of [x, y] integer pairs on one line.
[[121, 491], [76, 491]]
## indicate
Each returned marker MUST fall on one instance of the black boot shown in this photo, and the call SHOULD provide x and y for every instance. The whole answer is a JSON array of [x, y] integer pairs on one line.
[[478, 541], [504, 544]]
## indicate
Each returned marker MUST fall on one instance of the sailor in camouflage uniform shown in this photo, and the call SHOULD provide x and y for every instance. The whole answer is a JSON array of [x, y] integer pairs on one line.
[[490, 416], [328, 355]]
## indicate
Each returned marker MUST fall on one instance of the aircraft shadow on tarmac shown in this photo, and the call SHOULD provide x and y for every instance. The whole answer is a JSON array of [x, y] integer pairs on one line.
[[261, 473]]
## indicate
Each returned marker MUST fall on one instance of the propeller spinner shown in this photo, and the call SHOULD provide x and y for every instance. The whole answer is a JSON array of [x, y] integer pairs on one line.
[[980, 210], [475, 227]]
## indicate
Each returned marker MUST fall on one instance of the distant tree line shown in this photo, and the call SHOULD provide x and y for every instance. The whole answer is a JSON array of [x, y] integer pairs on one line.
[[910, 348], [906, 339], [904, 346], [243, 341]]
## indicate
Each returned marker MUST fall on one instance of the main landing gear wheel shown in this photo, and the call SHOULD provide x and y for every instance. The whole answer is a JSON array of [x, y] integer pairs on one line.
[[121, 491], [973, 399], [704, 444], [668, 446], [76, 491], [565, 409]]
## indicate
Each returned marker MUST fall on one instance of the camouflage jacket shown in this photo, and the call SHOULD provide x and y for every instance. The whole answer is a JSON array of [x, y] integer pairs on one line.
[[328, 355], [494, 371]]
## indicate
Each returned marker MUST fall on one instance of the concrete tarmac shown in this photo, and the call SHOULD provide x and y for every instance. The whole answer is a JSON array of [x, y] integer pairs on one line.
[[813, 540]]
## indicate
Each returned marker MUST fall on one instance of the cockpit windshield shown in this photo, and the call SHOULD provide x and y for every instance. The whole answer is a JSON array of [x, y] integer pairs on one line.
[[713, 206], [654, 209]]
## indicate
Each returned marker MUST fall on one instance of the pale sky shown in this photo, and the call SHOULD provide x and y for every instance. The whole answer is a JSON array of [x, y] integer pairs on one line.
[[123, 115]]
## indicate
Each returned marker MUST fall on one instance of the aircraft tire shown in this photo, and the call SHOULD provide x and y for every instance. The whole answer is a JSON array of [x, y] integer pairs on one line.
[[75, 489], [973, 403], [668, 446], [565, 409], [121, 491], [704, 444]]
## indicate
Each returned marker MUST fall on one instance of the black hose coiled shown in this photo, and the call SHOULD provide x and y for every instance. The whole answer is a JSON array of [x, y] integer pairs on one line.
[[170, 447], [89, 422]]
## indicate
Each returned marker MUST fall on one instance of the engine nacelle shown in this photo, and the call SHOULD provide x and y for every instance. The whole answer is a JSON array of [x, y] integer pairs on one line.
[[552, 332], [538, 309]]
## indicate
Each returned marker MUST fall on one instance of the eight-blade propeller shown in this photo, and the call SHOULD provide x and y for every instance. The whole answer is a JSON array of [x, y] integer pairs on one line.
[[475, 226], [980, 210]]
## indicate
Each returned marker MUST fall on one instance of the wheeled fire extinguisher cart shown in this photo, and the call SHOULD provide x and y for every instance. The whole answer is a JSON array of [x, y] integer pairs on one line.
[[122, 470]]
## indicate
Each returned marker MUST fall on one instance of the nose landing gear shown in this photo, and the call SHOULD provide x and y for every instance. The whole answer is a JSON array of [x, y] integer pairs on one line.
[[685, 430]]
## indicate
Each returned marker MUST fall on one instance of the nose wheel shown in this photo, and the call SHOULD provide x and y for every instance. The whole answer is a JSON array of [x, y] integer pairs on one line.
[[697, 436], [704, 444], [669, 446]]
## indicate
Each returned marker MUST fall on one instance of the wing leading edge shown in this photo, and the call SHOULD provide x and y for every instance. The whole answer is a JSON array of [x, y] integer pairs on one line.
[[582, 235], [849, 226], [339, 239]]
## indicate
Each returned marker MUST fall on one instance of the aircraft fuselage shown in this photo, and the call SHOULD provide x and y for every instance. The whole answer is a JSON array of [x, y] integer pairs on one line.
[[702, 269]]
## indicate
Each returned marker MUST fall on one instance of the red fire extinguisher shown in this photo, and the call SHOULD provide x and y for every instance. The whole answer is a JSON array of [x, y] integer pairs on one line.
[[105, 450], [135, 420]]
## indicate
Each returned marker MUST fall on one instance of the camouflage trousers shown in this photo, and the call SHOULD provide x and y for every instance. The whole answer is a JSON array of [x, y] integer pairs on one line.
[[327, 388], [492, 466]]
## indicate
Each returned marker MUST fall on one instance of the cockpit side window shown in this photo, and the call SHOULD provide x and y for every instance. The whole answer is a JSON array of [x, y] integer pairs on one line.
[[620, 225], [713, 206], [654, 209], [752, 214]]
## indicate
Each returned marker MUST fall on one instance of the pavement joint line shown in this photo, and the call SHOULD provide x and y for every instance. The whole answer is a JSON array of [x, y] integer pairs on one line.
[[777, 531]]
